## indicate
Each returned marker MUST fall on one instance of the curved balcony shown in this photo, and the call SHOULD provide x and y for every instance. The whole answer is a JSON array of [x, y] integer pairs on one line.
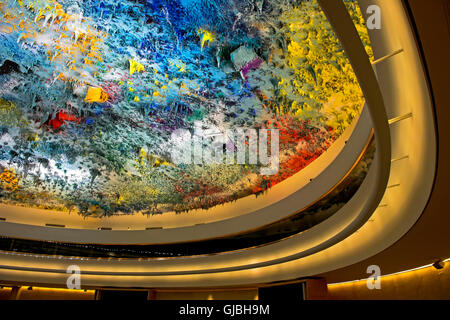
[[386, 205]]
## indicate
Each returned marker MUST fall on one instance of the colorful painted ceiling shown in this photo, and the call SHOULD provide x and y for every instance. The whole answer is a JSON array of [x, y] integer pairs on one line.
[[91, 92]]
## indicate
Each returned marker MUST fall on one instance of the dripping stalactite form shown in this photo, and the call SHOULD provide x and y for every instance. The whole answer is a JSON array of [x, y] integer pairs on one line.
[[91, 92]]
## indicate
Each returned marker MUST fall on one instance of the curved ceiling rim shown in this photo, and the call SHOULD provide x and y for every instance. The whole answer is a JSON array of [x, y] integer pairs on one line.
[[322, 184], [346, 30]]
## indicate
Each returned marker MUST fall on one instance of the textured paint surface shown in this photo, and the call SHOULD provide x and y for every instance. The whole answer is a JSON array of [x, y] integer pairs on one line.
[[90, 92], [299, 222]]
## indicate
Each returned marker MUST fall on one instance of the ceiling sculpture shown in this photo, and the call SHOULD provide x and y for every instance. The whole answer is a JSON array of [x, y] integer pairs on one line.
[[269, 234], [92, 91]]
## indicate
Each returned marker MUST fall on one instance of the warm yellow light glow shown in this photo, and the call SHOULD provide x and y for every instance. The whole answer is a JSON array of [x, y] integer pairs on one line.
[[387, 275]]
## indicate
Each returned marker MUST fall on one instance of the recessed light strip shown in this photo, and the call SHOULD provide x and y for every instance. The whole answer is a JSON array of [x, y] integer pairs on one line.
[[388, 275]]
